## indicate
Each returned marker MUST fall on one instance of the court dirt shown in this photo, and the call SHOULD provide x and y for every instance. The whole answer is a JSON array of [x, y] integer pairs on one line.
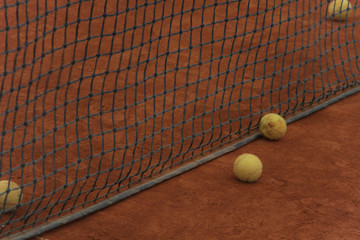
[[308, 190]]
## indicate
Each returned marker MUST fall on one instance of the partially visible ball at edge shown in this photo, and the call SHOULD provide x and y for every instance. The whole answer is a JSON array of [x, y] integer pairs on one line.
[[340, 10], [13, 197]]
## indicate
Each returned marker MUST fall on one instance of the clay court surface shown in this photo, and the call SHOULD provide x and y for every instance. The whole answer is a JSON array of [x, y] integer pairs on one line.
[[308, 190], [98, 96]]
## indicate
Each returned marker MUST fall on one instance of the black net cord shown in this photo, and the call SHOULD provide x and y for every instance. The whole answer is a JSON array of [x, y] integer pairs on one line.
[[100, 97], [126, 194]]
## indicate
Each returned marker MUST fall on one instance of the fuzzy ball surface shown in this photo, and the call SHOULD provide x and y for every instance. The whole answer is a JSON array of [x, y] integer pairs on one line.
[[340, 10], [10, 195], [247, 167], [272, 126]]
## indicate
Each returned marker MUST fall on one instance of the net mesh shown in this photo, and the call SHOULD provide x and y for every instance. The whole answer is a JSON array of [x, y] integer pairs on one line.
[[99, 96]]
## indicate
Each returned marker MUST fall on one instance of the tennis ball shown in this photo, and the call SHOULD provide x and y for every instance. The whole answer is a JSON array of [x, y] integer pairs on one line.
[[10, 195], [340, 9], [247, 167], [272, 126]]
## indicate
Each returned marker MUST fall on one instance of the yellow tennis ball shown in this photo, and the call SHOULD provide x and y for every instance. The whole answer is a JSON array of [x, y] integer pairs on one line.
[[340, 9], [10, 195], [247, 167], [272, 126]]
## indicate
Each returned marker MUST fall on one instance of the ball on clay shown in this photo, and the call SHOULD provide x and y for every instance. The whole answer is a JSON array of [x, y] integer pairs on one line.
[[272, 126], [10, 195], [340, 10], [247, 167]]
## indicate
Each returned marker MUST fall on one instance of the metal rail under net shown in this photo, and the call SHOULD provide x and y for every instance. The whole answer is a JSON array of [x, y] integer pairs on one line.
[[102, 99]]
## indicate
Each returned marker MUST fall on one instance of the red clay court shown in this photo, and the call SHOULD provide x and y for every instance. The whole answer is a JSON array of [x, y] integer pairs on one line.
[[308, 190], [122, 119]]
